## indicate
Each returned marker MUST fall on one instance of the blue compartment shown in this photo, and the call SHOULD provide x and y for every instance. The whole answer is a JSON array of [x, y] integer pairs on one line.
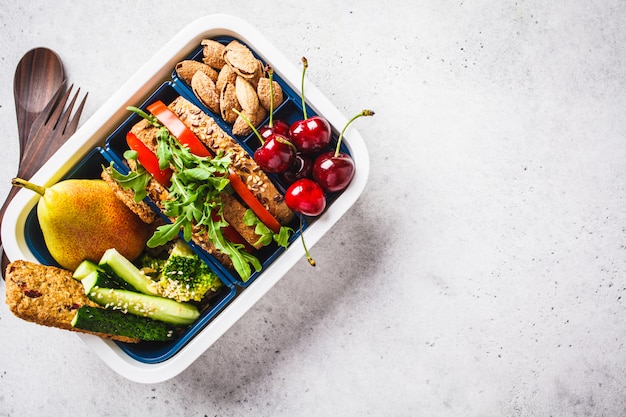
[[148, 352]]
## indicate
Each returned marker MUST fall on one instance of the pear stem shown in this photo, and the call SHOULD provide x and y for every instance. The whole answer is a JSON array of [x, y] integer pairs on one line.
[[18, 182], [363, 113]]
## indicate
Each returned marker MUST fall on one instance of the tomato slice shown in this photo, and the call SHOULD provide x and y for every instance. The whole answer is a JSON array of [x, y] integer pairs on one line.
[[252, 202], [148, 159], [172, 122]]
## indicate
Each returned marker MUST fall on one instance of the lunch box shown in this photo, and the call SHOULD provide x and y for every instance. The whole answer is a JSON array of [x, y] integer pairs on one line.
[[101, 141]]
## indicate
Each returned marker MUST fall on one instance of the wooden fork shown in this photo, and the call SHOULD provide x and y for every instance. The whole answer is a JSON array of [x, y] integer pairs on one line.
[[48, 132]]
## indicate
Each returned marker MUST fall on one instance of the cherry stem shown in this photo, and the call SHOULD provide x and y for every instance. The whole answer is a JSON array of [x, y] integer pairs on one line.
[[363, 113], [284, 141], [306, 250], [245, 119], [270, 73], [305, 65]]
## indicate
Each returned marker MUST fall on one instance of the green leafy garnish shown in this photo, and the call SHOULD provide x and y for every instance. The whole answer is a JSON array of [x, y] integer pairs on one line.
[[136, 180], [266, 235], [282, 238]]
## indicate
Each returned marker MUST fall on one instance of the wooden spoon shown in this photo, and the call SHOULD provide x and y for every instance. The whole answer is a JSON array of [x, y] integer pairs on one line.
[[39, 75]]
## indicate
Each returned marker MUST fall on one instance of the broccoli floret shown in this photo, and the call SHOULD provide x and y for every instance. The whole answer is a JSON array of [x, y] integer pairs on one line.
[[150, 265], [185, 277]]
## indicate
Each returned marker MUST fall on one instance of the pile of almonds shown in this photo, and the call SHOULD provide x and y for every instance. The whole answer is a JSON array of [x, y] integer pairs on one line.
[[230, 77]]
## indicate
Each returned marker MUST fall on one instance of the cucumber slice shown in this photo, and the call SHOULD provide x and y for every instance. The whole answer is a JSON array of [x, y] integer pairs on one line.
[[115, 322], [114, 262], [101, 278], [85, 268], [144, 305]]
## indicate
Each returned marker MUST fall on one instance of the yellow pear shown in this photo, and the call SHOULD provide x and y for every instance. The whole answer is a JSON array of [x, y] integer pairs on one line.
[[80, 219]]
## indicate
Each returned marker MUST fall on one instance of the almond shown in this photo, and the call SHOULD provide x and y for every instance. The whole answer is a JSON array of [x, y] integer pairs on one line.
[[186, 69], [259, 73], [241, 127], [246, 95], [228, 101], [264, 92], [213, 52], [204, 88], [225, 76], [241, 59]]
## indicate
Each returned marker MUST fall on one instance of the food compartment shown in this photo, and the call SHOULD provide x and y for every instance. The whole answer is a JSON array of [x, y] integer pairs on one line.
[[148, 352], [187, 91]]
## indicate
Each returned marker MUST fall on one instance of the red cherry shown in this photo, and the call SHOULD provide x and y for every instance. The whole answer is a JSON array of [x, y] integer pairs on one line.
[[306, 197], [275, 155], [301, 167], [310, 135], [279, 127], [333, 171]]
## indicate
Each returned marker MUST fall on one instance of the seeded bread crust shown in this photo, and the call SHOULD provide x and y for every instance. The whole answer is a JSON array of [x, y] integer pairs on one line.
[[48, 296]]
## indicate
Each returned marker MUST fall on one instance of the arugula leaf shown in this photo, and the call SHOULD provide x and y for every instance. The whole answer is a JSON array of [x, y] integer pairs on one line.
[[135, 180], [266, 235], [165, 233], [242, 260], [282, 238], [164, 154], [149, 117]]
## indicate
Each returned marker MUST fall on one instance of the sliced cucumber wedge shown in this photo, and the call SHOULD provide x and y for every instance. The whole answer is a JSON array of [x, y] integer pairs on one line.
[[114, 262], [114, 322], [144, 305]]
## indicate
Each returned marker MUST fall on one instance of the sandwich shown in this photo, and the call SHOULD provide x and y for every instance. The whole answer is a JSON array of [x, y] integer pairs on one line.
[[203, 182]]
